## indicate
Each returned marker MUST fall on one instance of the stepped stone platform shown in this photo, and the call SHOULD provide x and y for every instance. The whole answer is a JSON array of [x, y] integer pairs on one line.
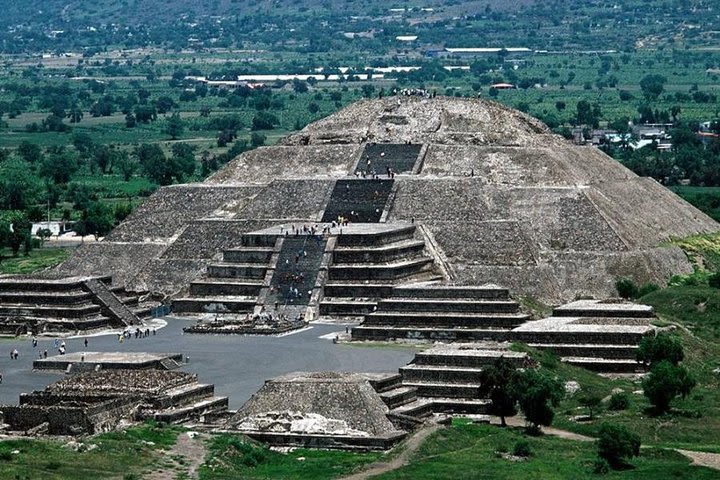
[[401, 158], [318, 409], [64, 305], [95, 402], [445, 379], [442, 313], [91, 361], [598, 335]]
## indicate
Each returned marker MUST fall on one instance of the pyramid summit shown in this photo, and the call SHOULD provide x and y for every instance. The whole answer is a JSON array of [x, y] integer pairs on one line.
[[470, 192]]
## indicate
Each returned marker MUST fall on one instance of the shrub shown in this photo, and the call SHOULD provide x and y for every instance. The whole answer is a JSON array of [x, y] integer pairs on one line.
[[647, 289], [665, 382], [663, 346], [522, 449], [626, 288], [619, 401], [592, 402], [714, 280], [616, 444]]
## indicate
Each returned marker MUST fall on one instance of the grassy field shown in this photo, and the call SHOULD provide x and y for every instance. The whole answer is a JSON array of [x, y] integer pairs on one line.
[[471, 451], [125, 455], [39, 259], [231, 457]]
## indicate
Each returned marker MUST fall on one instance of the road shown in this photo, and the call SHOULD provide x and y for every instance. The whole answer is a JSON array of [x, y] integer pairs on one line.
[[237, 365]]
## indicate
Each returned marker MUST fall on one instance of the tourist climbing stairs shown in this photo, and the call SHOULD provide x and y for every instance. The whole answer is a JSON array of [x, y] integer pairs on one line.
[[359, 200], [296, 271]]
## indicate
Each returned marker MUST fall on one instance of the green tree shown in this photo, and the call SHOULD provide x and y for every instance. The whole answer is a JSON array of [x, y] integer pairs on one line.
[[616, 444], [264, 121], [652, 86], [154, 163], [99, 219], [257, 139], [174, 126], [537, 394], [666, 382], [126, 165], [29, 152], [591, 401], [626, 288], [183, 160], [498, 379], [18, 186], [59, 166]]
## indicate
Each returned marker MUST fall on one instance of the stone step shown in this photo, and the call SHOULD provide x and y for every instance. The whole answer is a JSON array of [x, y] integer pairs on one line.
[[184, 395], [474, 358], [384, 382], [453, 292], [628, 337], [444, 319], [590, 350], [359, 200], [228, 286], [236, 270], [461, 406], [388, 271], [214, 305], [172, 415], [398, 396], [257, 241], [593, 308], [380, 253], [376, 289], [45, 298], [248, 255], [445, 389], [443, 305], [441, 374], [14, 284], [346, 307], [419, 408], [49, 311], [110, 304], [400, 233], [606, 365], [377, 333]]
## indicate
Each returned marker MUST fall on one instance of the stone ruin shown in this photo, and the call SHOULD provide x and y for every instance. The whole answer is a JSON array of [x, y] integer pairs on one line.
[[95, 402], [318, 409], [66, 305]]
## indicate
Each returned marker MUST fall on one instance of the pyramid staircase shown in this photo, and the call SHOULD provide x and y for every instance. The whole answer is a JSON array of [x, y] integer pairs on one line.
[[185, 402], [367, 266], [359, 200], [442, 313], [72, 304]]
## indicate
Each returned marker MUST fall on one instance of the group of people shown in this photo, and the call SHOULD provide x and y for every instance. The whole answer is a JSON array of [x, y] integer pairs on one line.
[[414, 92], [128, 334]]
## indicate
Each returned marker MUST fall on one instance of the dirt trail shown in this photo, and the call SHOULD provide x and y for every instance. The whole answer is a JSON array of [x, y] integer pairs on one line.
[[518, 421], [186, 456], [703, 459], [411, 445]]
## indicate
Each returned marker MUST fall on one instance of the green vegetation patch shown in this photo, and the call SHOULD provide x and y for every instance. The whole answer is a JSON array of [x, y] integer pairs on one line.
[[38, 259], [236, 457], [703, 250], [466, 450], [110, 455]]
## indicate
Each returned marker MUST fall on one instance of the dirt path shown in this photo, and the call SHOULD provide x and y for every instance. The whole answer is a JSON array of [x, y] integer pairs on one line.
[[411, 445], [703, 459], [185, 457], [518, 421]]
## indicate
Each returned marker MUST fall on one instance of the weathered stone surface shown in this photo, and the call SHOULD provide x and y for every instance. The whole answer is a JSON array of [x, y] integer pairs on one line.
[[331, 400], [501, 199]]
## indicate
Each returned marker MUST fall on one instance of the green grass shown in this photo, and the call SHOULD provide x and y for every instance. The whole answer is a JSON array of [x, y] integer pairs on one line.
[[39, 259], [231, 457], [117, 454], [469, 451]]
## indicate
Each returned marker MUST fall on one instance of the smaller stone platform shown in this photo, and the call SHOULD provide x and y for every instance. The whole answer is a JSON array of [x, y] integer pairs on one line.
[[320, 410], [95, 402], [90, 361]]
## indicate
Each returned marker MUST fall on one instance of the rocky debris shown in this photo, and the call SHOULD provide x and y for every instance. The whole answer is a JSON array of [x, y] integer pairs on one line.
[[572, 387], [121, 381], [296, 422]]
